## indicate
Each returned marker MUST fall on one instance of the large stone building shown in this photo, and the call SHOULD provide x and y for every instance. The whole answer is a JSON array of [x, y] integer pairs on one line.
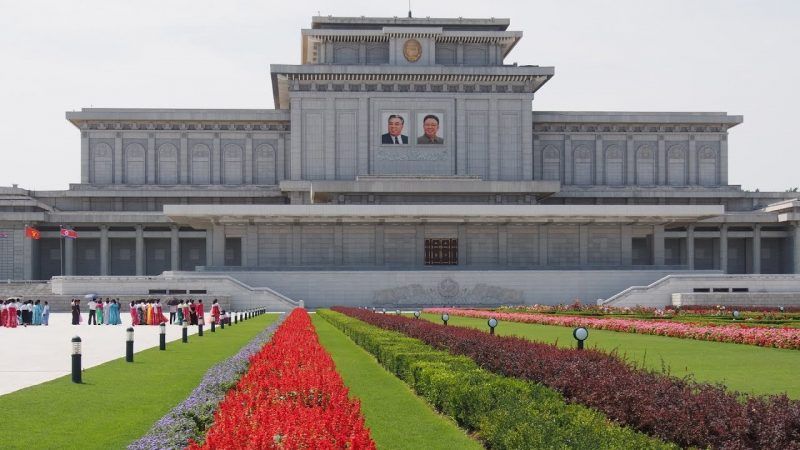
[[483, 199]]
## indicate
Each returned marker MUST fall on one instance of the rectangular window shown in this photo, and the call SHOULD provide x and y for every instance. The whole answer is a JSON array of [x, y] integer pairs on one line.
[[440, 252]]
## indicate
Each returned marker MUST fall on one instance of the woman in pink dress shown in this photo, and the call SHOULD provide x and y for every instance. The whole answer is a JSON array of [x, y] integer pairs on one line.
[[11, 315], [134, 314], [215, 310]]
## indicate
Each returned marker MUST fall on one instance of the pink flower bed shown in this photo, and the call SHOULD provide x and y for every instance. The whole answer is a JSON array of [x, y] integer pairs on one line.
[[788, 338]]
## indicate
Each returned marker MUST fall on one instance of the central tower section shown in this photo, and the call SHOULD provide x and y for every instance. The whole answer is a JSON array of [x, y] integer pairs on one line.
[[409, 97]]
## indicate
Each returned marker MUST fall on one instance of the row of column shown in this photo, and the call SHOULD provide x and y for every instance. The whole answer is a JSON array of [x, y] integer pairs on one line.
[[723, 248], [69, 251]]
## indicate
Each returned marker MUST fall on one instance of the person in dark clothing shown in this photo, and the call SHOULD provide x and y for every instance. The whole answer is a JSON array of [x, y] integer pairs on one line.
[[76, 312]]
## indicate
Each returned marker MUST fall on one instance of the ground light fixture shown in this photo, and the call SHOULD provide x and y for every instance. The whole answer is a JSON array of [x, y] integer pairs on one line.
[[445, 318], [736, 315], [162, 336], [397, 312], [416, 314], [492, 322], [185, 333], [213, 324], [129, 344], [580, 334], [76, 359], [200, 322]]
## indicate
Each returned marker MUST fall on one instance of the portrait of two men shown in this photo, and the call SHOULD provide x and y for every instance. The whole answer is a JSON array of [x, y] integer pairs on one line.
[[429, 124]]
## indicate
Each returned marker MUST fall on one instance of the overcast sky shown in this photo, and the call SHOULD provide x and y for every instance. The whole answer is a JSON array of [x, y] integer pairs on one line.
[[736, 56]]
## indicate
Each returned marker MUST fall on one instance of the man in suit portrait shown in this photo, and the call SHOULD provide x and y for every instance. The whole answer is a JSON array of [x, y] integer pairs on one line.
[[395, 134], [430, 124]]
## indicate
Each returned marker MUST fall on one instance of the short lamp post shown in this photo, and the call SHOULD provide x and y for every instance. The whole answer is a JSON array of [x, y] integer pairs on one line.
[[129, 344], [580, 334], [200, 322], [162, 336], [185, 332], [236, 318], [416, 314], [383, 311], [76, 359], [492, 324], [213, 324], [780, 308], [736, 315], [222, 322], [397, 312], [445, 318]]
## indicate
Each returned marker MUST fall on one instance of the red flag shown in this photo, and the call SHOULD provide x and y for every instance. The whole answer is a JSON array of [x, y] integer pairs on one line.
[[72, 234], [32, 233]]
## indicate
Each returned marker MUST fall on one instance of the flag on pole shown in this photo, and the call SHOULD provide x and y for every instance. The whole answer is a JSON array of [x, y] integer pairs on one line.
[[72, 234], [32, 233]]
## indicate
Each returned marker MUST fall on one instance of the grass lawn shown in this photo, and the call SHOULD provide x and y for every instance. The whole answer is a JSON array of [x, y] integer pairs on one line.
[[118, 401], [397, 418], [745, 368]]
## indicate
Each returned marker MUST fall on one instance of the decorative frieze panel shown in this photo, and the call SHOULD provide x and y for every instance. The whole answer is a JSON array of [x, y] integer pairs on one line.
[[626, 128], [182, 126]]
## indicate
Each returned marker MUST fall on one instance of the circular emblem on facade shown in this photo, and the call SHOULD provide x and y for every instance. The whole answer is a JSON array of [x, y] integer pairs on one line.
[[448, 288], [412, 50]]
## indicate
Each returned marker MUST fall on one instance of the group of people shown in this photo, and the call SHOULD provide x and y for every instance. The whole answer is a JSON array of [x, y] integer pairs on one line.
[[151, 312], [100, 312], [13, 312], [147, 312]]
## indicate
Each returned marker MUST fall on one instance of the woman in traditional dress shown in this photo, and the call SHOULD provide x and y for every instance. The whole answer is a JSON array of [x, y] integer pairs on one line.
[[37, 312], [180, 312], [113, 313], [192, 313], [46, 314], [3, 313], [215, 311], [11, 314], [201, 314], [187, 307], [134, 314], [76, 312], [99, 313]]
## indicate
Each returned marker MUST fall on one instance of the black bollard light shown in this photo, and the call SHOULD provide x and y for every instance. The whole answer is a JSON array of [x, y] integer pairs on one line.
[[129, 344], [162, 336], [492, 323], [580, 334], [235, 318], [397, 312], [222, 322], [445, 318], [736, 315], [200, 323], [76, 359], [213, 324], [416, 314], [185, 334]]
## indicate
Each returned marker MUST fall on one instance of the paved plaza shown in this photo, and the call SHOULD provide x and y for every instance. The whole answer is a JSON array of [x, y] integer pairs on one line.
[[35, 354]]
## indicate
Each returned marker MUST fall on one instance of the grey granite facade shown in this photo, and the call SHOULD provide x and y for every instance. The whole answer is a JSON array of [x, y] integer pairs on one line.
[[314, 185]]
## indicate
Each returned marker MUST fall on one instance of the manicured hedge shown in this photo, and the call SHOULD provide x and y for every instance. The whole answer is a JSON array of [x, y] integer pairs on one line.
[[506, 413], [676, 410]]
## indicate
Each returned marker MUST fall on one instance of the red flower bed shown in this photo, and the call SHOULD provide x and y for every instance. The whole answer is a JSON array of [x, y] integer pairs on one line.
[[681, 411], [291, 397]]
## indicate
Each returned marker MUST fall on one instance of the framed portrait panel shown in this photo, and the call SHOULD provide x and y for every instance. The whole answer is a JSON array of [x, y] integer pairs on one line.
[[395, 128], [429, 128]]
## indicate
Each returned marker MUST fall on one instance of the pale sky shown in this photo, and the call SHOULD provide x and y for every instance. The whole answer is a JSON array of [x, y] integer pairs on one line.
[[736, 56]]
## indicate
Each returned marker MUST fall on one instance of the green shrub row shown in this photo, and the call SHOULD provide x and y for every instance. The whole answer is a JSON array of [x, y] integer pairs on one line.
[[505, 413]]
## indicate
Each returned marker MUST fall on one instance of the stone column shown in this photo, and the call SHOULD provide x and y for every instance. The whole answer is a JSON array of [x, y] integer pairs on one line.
[[338, 244], [27, 254], [502, 245], [85, 164], [462, 245], [599, 161], [139, 250], [723, 248], [183, 160], [658, 245], [150, 159], [296, 155], [796, 245], [297, 241], [69, 256], [693, 181], [216, 160], [567, 161], [583, 244], [119, 160], [626, 250], [661, 161], [690, 246], [209, 246], [630, 162], [104, 250], [757, 248], [174, 252], [379, 240], [218, 259], [420, 246], [543, 244], [329, 144]]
